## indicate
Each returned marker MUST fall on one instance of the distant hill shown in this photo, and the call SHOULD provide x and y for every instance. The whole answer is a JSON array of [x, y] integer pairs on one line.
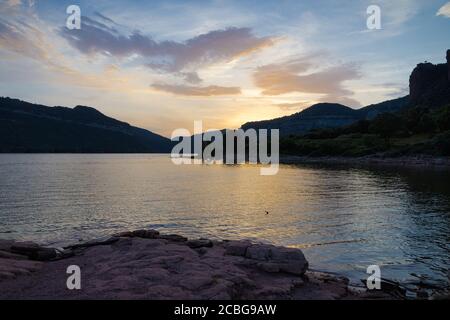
[[326, 115], [27, 127], [429, 86], [392, 106], [409, 126]]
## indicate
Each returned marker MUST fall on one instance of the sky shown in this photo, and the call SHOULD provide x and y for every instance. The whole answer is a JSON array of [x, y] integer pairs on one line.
[[161, 65]]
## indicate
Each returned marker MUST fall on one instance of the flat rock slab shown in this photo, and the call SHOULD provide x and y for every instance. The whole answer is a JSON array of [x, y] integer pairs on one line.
[[12, 268], [151, 266], [269, 258], [25, 247], [200, 243], [20, 250], [10, 255], [5, 245]]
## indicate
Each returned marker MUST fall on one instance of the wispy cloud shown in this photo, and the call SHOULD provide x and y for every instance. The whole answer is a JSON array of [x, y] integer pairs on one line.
[[395, 16], [290, 76], [202, 68], [397, 13], [10, 4], [206, 91], [103, 17], [26, 37], [26, 40], [294, 107], [182, 58], [444, 10]]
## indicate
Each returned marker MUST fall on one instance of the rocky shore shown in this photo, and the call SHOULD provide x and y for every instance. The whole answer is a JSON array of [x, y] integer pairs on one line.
[[145, 264]]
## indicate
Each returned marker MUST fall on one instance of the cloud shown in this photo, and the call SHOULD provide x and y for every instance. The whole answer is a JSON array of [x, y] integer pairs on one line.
[[191, 77], [299, 106], [288, 77], [395, 16], [393, 89], [18, 38], [444, 10], [10, 4], [14, 2], [172, 56], [346, 101], [26, 39], [399, 12], [197, 91], [99, 25], [296, 106], [105, 18]]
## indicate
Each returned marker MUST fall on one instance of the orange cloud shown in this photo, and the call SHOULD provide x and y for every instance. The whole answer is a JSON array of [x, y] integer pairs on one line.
[[197, 91], [288, 77], [296, 106], [276, 81]]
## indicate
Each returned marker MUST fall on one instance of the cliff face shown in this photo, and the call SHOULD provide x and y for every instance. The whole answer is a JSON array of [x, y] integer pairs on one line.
[[429, 84], [448, 65]]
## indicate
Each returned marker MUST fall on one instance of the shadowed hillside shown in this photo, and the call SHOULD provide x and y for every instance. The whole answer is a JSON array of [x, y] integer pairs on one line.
[[429, 87], [27, 127], [326, 115], [415, 125]]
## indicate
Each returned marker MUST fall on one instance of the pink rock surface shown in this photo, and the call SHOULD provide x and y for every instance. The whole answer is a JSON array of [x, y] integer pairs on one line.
[[159, 267]]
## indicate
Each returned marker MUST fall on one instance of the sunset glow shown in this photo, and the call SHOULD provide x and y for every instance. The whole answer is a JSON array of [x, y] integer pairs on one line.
[[162, 65]]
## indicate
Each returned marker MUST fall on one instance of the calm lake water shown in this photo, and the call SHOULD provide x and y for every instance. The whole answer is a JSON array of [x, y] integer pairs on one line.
[[344, 219]]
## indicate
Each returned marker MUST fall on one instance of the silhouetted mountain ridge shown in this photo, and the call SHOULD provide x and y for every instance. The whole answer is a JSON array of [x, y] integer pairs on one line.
[[429, 88], [418, 125], [27, 127], [326, 115]]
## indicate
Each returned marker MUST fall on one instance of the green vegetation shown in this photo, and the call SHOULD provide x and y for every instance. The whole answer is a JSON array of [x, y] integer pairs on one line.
[[418, 130]]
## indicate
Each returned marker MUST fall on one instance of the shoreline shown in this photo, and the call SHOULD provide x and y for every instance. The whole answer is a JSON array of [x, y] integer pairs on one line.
[[372, 160], [376, 159], [145, 264]]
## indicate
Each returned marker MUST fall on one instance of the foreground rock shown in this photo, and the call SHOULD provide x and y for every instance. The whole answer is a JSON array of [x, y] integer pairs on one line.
[[146, 265]]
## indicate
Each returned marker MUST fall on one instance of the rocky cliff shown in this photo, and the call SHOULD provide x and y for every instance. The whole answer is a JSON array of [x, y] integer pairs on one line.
[[429, 84], [448, 65], [429, 87]]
